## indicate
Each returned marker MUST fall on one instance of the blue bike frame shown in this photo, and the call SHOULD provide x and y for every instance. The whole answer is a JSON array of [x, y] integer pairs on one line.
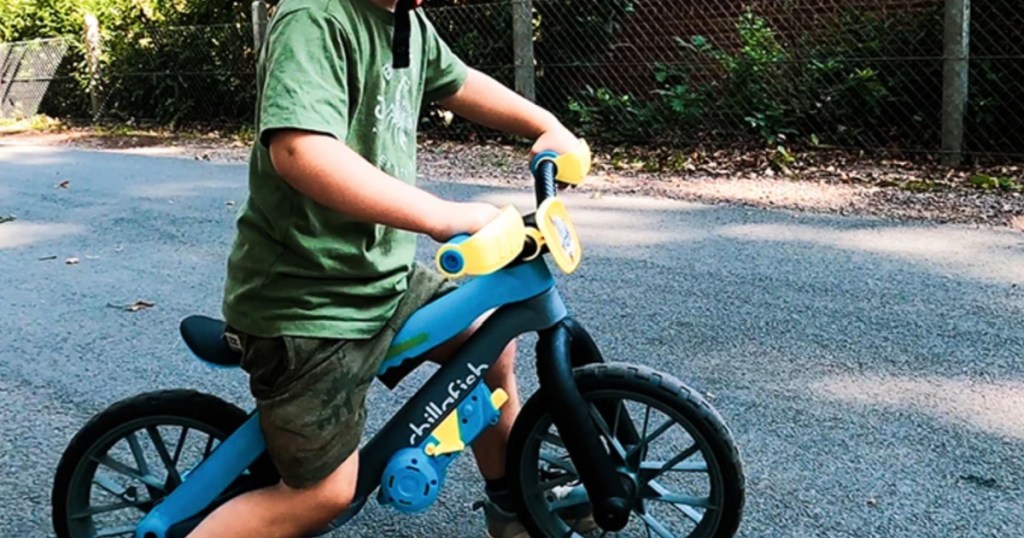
[[526, 301]]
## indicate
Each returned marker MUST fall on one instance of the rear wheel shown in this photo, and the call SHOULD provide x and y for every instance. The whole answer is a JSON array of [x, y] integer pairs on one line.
[[672, 451], [127, 458]]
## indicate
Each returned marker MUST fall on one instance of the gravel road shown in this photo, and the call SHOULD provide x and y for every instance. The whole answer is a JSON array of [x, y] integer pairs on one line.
[[873, 372]]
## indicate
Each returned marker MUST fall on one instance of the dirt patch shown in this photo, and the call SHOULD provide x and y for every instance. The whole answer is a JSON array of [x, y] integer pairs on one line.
[[824, 182], [210, 146]]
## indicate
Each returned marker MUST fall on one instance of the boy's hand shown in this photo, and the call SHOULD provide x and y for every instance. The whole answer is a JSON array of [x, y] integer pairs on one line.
[[558, 140], [463, 218]]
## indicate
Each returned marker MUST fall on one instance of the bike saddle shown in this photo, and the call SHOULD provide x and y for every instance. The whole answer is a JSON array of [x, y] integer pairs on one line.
[[205, 337]]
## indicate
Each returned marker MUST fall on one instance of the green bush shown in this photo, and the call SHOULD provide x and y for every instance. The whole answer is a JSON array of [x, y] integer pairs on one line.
[[480, 31], [202, 74], [844, 84], [836, 88], [153, 69]]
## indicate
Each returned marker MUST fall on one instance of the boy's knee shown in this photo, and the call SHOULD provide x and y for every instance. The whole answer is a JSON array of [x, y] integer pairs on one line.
[[508, 355], [504, 366], [325, 500]]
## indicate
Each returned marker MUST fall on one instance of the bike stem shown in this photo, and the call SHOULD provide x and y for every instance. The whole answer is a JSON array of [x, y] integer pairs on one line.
[[557, 353]]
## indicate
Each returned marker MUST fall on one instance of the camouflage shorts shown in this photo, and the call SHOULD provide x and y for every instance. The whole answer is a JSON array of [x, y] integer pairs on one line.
[[311, 392]]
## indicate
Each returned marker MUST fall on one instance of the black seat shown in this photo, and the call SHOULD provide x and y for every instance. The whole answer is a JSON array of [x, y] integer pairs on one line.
[[205, 337]]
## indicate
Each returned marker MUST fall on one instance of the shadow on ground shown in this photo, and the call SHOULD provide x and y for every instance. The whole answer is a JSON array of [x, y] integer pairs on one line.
[[870, 370]]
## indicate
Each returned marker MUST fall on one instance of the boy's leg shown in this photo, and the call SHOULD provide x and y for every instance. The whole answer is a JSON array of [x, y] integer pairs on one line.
[[310, 394], [490, 448], [284, 512]]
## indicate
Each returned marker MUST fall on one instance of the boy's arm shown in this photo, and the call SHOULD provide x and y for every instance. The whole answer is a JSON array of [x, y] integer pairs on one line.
[[332, 174], [483, 100]]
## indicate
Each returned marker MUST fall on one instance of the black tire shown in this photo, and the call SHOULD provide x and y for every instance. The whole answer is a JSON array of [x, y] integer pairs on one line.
[[688, 409], [173, 407]]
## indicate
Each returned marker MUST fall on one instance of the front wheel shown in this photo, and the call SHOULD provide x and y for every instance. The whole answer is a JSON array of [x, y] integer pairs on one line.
[[672, 451]]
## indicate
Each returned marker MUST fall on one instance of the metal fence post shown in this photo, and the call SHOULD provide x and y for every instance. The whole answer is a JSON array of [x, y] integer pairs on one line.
[[956, 53], [93, 52], [259, 24], [522, 39]]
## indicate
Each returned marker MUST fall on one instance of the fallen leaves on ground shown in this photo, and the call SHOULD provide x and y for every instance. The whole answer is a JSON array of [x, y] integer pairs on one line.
[[829, 181], [845, 183], [134, 307], [982, 481]]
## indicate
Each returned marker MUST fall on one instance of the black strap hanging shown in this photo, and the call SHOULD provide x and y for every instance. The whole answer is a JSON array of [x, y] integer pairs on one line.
[[403, 33]]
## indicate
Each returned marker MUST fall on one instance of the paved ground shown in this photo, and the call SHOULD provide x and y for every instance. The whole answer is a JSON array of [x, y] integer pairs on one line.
[[873, 372]]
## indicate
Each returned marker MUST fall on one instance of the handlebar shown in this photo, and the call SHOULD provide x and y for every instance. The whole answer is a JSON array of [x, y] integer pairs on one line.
[[511, 236], [544, 168]]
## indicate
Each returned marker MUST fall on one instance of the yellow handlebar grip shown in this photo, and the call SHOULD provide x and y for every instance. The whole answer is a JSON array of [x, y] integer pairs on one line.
[[573, 167], [496, 245]]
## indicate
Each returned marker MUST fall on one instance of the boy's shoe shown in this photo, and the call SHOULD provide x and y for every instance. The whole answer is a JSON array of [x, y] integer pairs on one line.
[[580, 517], [502, 524]]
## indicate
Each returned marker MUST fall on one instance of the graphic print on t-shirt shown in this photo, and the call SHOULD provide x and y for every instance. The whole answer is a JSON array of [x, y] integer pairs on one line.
[[396, 117]]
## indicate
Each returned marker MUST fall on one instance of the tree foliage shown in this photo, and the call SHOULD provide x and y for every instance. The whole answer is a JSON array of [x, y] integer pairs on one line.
[[30, 19]]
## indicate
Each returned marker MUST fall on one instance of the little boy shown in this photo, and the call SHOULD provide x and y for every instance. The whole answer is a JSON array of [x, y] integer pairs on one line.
[[321, 275]]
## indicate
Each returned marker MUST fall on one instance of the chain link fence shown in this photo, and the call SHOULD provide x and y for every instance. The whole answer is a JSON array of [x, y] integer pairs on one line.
[[177, 76], [857, 74], [849, 74], [28, 70]]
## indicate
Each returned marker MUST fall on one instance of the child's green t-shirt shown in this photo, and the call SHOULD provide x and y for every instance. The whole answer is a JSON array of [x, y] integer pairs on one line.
[[298, 268]]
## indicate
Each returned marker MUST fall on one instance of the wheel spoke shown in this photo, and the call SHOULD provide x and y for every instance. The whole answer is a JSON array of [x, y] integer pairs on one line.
[[575, 497], [645, 441], [647, 420], [688, 500], [694, 515], [110, 486], [618, 414], [180, 445], [137, 454], [673, 462], [561, 462], [553, 483], [121, 468], [553, 439], [688, 511], [654, 525], [173, 478], [603, 426], [209, 447], [116, 531], [93, 510], [683, 467]]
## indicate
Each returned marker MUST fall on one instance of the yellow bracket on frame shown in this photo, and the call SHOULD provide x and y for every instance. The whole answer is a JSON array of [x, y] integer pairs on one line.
[[449, 439], [448, 434]]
